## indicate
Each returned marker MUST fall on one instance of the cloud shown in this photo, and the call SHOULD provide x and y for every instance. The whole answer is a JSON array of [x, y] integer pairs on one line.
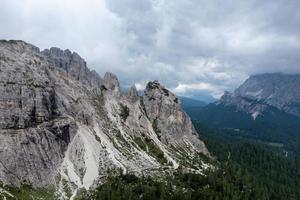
[[191, 46], [182, 89]]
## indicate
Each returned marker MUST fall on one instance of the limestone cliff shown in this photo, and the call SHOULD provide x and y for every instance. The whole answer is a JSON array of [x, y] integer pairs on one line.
[[63, 125]]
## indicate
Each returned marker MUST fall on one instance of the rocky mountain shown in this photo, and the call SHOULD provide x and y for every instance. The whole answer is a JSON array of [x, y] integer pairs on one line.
[[260, 92], [63, 126]]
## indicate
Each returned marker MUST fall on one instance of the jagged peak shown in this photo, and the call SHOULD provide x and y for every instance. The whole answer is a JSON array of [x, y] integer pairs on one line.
[[156, 87], [111, 82], [111, 79], [226, 94], [76, 56], [66, 54], [110, 76], [153, 84], [132, 94], [57, 52], [74, 65]]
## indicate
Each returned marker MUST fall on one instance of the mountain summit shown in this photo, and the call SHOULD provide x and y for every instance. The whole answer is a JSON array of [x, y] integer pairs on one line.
[[64, 126]]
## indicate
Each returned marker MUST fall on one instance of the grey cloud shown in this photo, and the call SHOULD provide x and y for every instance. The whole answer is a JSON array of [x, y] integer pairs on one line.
[[182, 43]]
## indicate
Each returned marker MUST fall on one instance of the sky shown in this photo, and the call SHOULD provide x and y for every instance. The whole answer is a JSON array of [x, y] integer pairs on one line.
[[193, 47]]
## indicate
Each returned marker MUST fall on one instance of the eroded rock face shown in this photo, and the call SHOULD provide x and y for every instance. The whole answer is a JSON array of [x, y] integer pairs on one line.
[[62, 125], [33, 132], [164, 111], [73, 64], [33, 155]]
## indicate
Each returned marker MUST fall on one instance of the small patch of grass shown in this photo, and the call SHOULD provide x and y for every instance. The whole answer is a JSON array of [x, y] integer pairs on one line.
[[124, 112], [9, 41], [152, 85], [27, 192], [140, 143], [166, 91], [99, 103], [103, 88], [143, 107], [156, 129], [176, 100], [150, 147]]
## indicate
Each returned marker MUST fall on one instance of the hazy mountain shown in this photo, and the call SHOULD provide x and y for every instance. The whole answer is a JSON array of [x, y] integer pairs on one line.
[[200, 96], [278, 90], [187, 102]]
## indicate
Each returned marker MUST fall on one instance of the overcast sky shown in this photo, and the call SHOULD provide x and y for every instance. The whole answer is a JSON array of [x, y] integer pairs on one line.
[[191, 46]]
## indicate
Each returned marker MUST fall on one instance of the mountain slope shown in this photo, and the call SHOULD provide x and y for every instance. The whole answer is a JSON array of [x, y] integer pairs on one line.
[[64, 126]]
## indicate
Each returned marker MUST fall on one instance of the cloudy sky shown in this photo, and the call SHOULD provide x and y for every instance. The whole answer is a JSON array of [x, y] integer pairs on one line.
[[194, 47]]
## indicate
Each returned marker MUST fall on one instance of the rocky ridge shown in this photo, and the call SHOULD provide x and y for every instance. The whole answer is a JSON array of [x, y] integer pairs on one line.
[[64, 126]]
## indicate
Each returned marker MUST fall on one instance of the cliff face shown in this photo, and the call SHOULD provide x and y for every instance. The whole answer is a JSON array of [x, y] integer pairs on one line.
[[63, 125], [166, 115]]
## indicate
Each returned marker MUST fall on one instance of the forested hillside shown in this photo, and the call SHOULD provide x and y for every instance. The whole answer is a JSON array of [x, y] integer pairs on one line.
[[276, 176]]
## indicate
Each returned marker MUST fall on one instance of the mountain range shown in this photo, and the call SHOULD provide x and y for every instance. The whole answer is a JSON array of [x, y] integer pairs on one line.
[[64, 126]]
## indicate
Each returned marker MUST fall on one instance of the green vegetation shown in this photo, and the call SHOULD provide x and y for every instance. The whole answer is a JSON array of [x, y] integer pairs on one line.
[[103, 88], [143, 107], [140, 143], [166, 92], [149, 146], [274, 126], [9, 41], [124, 112], [152, 85], [156, 129], [176, 100], [26, 192], [243, 170], [99, 103], [225, 184], [277, 176]]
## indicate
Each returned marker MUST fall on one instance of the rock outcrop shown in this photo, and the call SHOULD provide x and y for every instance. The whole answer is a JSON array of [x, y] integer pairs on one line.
[[62, 125], [169, 121]]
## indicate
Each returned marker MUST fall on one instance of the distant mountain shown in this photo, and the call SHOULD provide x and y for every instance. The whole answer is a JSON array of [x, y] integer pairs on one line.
[[192, 106], [259, 93], [202, 97], [265, 107], [278, 90]]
